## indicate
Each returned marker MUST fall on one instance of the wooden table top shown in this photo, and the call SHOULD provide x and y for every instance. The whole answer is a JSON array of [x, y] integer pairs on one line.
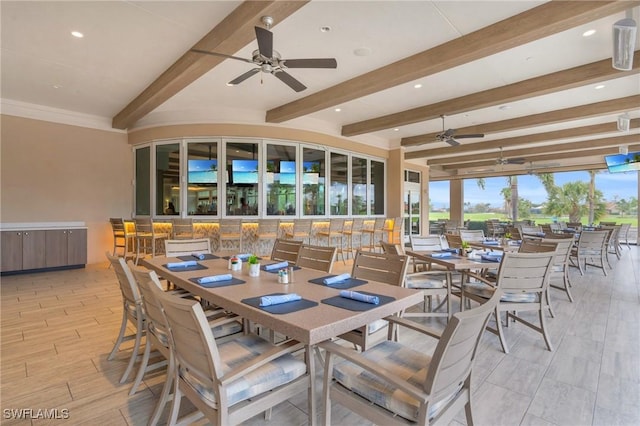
[[309, 326]]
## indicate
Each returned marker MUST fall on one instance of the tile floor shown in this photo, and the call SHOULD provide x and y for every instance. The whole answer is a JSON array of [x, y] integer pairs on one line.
[[58, 327]]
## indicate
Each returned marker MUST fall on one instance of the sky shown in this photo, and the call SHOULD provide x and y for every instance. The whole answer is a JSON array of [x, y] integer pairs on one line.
[[622, 185]]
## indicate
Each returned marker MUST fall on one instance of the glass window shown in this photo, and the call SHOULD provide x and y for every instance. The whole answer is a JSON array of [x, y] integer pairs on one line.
[[339, 191], [313, 181], [168, 179], [359, 186], [376, 197], [439, 200], [143, 181], [202, 178], [281, 180], [243, 178]]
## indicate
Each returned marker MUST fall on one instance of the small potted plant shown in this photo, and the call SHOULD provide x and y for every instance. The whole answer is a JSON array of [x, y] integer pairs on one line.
[[254, 265], [466, 248], [506, 237]]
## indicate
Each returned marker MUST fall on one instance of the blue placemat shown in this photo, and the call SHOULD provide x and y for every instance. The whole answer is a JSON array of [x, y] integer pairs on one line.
[[356, 305], [232, 281], [275, 271], [342, 285], [207, 256], [283, 308], [196, 267]]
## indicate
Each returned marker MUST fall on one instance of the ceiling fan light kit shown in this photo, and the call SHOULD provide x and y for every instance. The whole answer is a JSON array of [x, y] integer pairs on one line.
[[449, 135], [624, 40], [269, 61]]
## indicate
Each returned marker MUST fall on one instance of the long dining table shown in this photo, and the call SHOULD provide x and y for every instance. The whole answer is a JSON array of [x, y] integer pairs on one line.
[[316, 323]]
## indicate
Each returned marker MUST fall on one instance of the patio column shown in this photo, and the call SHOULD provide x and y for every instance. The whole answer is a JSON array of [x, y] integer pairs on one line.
[[456, 201]]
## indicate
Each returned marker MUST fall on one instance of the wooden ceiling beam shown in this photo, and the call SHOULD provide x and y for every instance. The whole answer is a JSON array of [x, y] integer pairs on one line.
[[232, 34], [536, 23], [470, 174], [533, 138], [538, 86], [567, 150], [612, 106]]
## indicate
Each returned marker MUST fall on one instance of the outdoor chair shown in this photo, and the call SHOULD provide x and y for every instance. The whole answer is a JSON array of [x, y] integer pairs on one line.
[[146, 237], [319, 258], [286, 250], [182, 228], [592, 246]]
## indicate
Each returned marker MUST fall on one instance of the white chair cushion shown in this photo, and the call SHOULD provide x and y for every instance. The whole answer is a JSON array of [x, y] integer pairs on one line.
[[426, 281], [239, 351], [486, 291], [227, 329], [404, 363]]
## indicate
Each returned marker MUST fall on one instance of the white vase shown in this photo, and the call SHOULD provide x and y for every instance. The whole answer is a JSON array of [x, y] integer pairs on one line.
[[254, 269]]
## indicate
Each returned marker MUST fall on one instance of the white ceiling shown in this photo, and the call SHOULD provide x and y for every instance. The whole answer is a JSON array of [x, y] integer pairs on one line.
[[128, 44]]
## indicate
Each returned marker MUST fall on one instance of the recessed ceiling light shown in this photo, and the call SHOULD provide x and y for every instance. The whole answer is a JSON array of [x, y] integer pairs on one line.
[[230, 85], [417, 86], [396, 130], [600, 86], [325, 29], [77, 34], [362, 51], [337, 110], [57, 86], [588, 33]]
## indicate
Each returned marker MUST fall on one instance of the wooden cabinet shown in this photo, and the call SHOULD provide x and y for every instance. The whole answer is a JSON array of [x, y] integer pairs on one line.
[[23, 249], [66, 247]]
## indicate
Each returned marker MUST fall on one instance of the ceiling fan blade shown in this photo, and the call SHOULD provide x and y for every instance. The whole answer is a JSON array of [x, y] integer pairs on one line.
[[290, 81], [243, 77], [452, 141], [311, 63], [265, 42], [206, 52], [470, 135]]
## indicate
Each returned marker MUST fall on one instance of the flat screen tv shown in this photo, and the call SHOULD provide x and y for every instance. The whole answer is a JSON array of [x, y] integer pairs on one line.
[[620, 163], [244, 171], [202, 171], [311, 172], [287, 172]]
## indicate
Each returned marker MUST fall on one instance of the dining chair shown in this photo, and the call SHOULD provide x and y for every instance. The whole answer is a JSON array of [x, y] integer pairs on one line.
[[385, 268], [613, 241], [454, 241], [268, 230], [175, 248], [231, 381], [121, 238], [560, 273], [182, 228], [334, 235], [320, 258], [375, 232], [221, 323], [230, 231], [146, 237], [393, 383], [132, 312], [397, 230], [301, 230], [431, 283], [523, 279], [624, 235], [424, 243], [286, 250], [472, 235], [494, 228], [354, 230], [592, 246]]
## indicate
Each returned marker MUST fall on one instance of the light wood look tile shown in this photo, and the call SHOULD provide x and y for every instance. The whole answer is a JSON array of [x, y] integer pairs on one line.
[[57, 328]]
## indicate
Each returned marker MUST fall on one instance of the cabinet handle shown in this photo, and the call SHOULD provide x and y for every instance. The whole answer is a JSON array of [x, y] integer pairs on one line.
[[64, 232], [26, 233], [18, 233], [71, 232]]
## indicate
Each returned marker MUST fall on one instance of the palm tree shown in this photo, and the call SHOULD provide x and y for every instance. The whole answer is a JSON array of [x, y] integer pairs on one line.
[[573, 199]]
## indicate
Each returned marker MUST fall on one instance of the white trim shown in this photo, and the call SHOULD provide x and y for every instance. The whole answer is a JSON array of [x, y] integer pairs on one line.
[[32, 226], [55, 115]]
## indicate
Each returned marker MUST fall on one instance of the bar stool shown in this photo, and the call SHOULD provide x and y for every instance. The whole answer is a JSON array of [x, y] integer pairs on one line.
[[230, 230], [146, 237], [268, 229], [122, 239], [182, 229], [355, 229], [335, 232], [376, 232], [301, 230]]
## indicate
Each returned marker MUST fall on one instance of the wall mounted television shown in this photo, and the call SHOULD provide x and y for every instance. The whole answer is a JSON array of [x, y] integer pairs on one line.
[[244, 171], [202, 171], [287, 172], [620, 163]]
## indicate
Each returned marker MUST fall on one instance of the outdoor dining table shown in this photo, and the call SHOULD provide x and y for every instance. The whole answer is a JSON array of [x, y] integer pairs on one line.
[[510, 245], [315, 322]]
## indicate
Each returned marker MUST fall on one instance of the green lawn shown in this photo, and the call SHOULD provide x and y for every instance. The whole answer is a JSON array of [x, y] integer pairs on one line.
[[539, 219]]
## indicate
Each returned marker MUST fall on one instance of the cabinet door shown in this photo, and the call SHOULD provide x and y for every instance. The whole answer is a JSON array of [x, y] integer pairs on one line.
[[56, 248], [33, 249], [77, 247], [11, 251]]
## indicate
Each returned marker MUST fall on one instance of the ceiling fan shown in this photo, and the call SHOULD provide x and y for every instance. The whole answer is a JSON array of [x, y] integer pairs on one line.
[[503, 161], [449, 136], [269, 60]]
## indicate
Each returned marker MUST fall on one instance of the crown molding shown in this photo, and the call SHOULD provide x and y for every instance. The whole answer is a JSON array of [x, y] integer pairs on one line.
[[55, 115]]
